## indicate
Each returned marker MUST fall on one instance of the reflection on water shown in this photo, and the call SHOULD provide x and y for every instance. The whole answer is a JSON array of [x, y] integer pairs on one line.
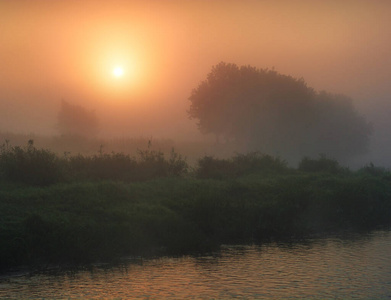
[[357, 267]]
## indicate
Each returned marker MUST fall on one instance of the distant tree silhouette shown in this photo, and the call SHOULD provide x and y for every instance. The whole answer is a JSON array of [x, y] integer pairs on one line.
[[275, 113], [76, 120]]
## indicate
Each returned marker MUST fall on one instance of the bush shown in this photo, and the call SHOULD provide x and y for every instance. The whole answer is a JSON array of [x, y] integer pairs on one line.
[[114, 166], [118, 166], [241, 164], [322, 164], [210, 167], [255, 161], [42, 167], [152, 164], [30, 165], [371, 169]]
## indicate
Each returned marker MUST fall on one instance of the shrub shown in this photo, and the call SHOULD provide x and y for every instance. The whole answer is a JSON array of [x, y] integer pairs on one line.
[[177, 164], [118, 166], [30, 165], [114, 166], [256, 161], [371, 169], [322, 164], [210, 167], [241, 164], [153, 164]]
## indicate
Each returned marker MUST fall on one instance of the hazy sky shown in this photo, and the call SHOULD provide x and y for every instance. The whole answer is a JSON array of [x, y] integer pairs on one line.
[[53, 50]]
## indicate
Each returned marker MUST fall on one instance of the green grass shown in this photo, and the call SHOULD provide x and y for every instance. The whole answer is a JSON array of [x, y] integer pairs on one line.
[[107, 206]]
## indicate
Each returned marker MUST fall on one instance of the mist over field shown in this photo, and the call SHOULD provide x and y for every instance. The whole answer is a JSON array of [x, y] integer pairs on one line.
[[166, 129], [56, 51]]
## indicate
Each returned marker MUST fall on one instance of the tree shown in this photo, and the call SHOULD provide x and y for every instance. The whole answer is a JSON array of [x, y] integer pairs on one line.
[[275, 113], [76, 120]]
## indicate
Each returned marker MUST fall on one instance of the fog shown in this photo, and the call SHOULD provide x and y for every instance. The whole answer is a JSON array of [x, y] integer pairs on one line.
[[66, 50]]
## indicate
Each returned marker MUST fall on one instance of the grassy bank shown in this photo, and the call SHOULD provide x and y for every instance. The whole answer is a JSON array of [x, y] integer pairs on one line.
[[106, 206]]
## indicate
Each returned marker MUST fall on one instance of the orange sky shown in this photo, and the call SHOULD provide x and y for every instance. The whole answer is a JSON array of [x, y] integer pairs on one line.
[[53, 50]]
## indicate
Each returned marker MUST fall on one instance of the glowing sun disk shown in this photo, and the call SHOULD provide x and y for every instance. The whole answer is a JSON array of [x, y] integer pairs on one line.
[[118, 71]]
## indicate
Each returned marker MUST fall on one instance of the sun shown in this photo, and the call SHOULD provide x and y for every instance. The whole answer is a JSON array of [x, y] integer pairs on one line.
[[118, 71]]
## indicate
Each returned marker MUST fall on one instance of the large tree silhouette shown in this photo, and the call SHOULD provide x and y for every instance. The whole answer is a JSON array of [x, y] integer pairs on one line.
[[277, 114], [76, 120]]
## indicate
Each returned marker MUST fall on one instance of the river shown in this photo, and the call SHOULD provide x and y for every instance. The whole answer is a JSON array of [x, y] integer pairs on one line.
[[350, 266]]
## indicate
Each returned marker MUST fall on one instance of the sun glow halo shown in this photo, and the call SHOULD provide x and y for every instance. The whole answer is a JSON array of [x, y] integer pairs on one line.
[[118, 72]]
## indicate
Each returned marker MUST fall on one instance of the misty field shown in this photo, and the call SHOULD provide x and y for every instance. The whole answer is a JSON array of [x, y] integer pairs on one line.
[[81, 209]]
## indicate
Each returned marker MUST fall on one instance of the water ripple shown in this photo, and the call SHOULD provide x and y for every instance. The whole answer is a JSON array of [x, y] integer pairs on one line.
[[358, 267]]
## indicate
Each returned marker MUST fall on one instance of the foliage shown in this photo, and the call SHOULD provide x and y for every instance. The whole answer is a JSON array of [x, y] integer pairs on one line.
[[81, 209], [240, 164], [83, 222], [30, 165], [255, 161], [153, 164], [322, 164], [33, 166], [371, 169], [276, 113], [114, 166], [210, 167], [117, 166], [75, 120], [105, 206]]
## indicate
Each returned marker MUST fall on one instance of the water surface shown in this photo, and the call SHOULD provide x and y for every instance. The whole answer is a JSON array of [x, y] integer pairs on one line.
[[356, 266]]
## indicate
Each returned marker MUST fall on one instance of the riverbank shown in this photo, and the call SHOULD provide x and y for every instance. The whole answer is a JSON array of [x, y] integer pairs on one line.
[[94, 221], [249, 199]]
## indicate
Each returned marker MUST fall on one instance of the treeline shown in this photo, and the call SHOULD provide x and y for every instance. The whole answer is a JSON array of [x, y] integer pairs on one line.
[[81, 209]]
